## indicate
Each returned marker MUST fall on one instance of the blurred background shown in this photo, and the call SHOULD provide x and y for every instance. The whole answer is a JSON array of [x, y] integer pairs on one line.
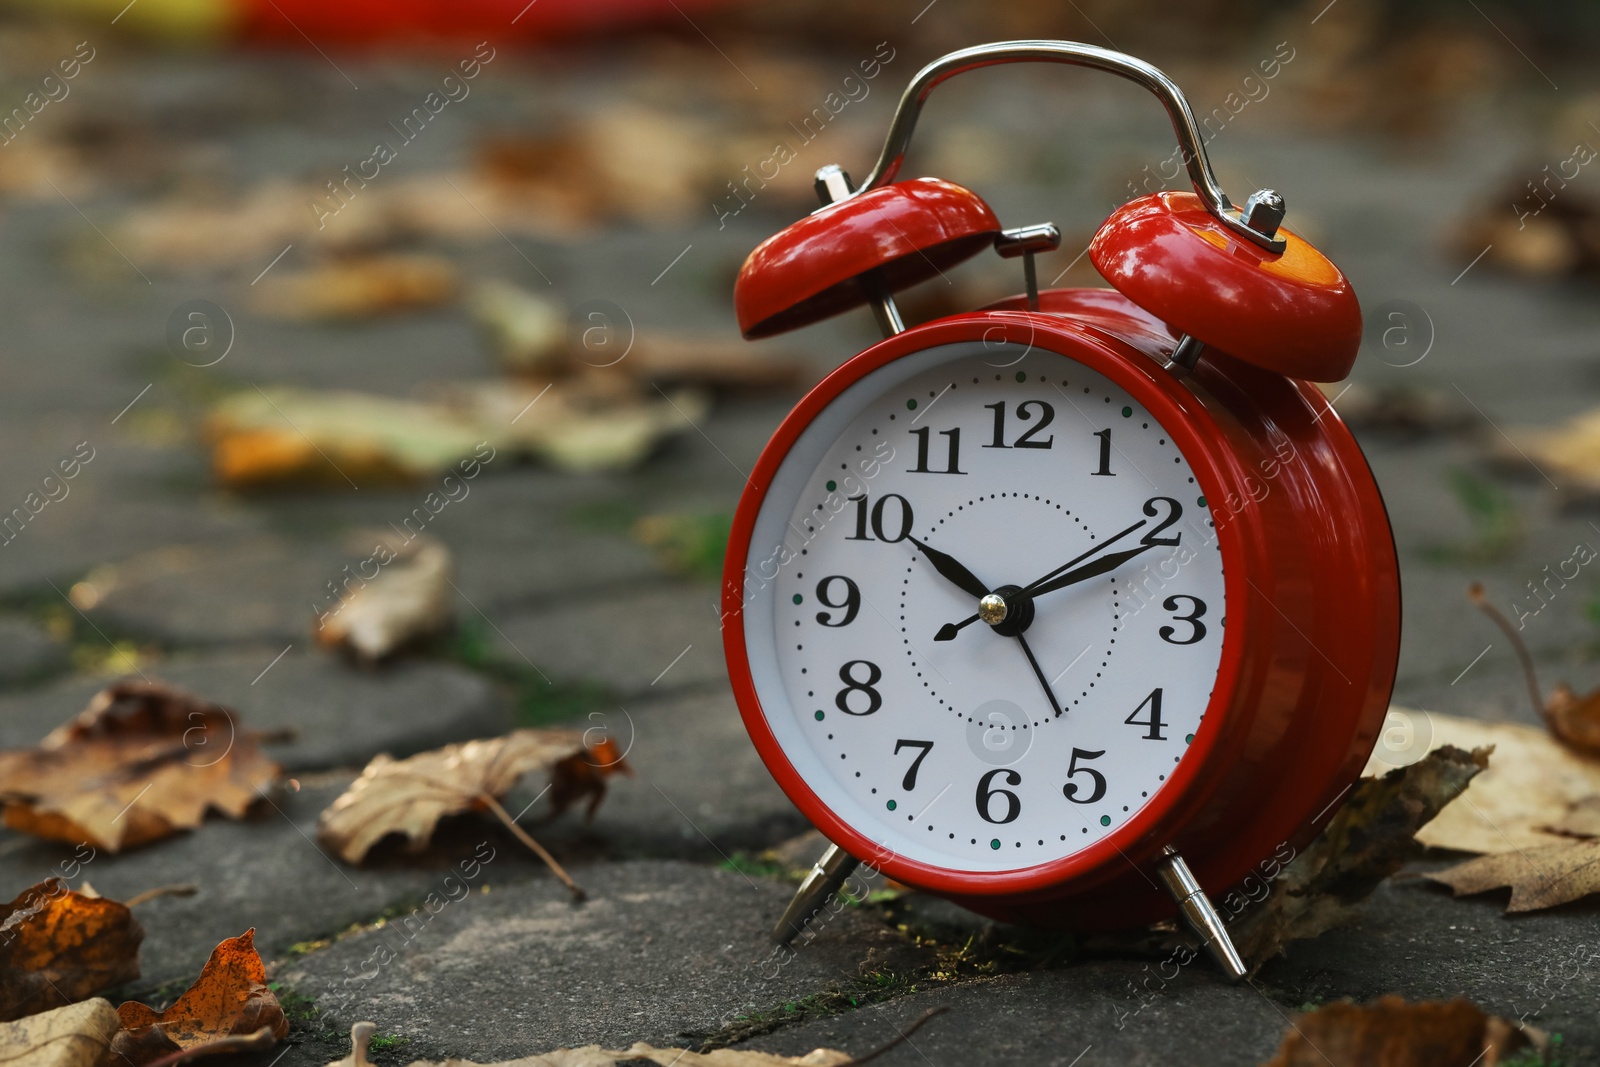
[[301, 294]]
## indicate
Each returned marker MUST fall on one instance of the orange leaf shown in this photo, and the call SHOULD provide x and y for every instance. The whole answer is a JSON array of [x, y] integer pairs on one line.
[[141, 762], [1393, 1033], [229, 999], [58, 946]]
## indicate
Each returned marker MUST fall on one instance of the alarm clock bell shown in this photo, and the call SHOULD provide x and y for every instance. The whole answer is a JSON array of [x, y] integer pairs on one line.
[[1229, 282]]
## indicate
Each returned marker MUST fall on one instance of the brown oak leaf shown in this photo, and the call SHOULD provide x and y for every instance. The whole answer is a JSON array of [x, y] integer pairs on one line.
[[1393, 1033], [141, 762], [1538, 877], [78, 1035], [411, 795], [230, 1000], [58, 946]]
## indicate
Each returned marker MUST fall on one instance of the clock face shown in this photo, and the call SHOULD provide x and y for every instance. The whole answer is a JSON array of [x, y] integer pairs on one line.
[[974, 735]]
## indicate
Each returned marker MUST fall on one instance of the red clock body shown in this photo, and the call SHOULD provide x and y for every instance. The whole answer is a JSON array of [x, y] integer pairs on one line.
[[1309, 646]]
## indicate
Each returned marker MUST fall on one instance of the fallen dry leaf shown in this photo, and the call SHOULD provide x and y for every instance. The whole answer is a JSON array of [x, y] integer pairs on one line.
[[1389, 1032], [527, 331], [1582, 819], [1574, 720], [1369, 839], [1406, 412], [58, 946], [1569, 452], [230, 1000], [339, 438], [287, 436], [1538, 877], [358, 288], [410, 796], [594, 1056], [1531, 783], [78, 1035], [141, 762], [408, 601], [593, 423]]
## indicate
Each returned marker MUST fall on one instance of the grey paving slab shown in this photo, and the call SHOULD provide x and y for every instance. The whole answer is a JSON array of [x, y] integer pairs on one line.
[[1413, 938], [342, 715], [659, 948], [261, 589], [699, 791], [26, 651], [264, 872], [652, 639], [1109, 1013]]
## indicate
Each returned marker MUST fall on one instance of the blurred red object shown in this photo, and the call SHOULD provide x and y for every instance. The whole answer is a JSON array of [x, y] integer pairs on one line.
[[359, 21]]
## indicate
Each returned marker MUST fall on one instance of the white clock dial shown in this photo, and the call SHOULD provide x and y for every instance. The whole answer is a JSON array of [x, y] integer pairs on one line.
[[951, 741]]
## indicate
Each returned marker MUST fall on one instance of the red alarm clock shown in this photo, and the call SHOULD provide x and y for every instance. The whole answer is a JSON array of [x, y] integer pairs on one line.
[[1076, 608]]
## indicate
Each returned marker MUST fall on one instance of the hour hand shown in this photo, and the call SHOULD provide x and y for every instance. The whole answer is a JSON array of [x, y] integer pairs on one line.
[[951, 569]]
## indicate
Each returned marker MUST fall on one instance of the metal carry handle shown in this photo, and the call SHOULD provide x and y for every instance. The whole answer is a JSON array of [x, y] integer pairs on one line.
[[1258, 223]]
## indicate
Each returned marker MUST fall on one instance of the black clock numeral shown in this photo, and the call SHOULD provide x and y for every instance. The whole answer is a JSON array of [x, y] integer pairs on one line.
[[1105, 470], [1070, 790], [851, 605], [1197, 628], [953, 453], [905, 518], [1047, 415], [1174, 513], [986, 794], [909, 782], [847, 676], [1153, 702]]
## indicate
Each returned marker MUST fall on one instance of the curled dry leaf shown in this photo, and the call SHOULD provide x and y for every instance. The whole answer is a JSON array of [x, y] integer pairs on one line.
[[1393, 1033], [78, 1035], [359, 288], [143, 761], [1574, 720], [1369, 839], [58, 946], [230, 1000], [408, 601], [410, 796]]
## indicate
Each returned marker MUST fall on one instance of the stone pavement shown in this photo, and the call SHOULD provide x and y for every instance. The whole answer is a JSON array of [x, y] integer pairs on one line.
[[569, 619]]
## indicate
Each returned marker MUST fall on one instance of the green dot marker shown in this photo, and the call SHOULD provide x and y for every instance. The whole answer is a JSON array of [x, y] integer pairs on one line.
[[798, 598], [892, 805], [1201, 501], [1188, 739], [1021, 377], [911, 405], [832, 485], [1105, 820], [995, 843], [1127, 413], [819, 716]]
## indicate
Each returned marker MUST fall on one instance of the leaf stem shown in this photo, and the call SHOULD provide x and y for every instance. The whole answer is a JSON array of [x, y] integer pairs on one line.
[[185, 889], [538, 849], [1476, 595]]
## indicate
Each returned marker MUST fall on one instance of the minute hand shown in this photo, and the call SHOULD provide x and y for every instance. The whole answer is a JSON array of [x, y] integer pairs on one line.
[[1088, 570]]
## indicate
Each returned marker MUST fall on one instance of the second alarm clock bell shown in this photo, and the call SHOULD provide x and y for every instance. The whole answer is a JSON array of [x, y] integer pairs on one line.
[[1077, 609]]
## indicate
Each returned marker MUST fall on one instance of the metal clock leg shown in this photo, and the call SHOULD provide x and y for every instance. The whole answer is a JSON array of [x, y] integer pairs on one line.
[[1198, 912], [824, 880]]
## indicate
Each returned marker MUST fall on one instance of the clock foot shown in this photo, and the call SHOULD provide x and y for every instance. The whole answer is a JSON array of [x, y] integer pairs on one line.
[[827, 875], [1198, 912]]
